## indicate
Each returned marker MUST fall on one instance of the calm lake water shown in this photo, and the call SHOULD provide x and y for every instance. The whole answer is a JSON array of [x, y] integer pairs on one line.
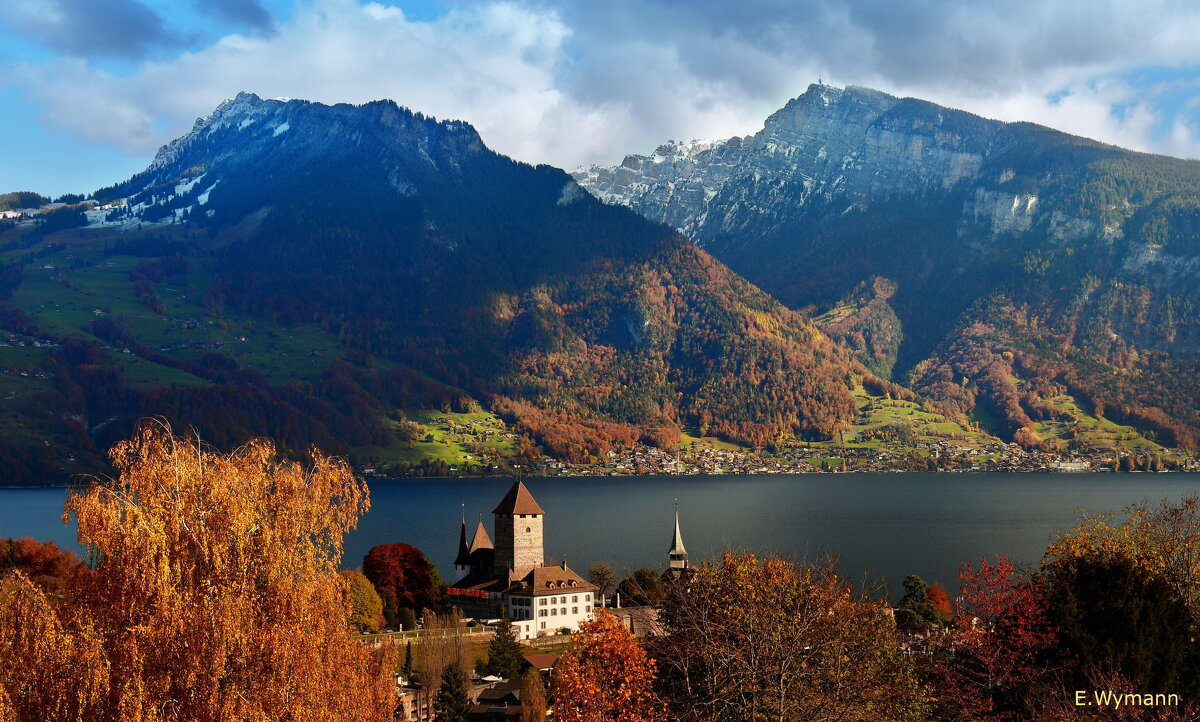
[[881, 525]]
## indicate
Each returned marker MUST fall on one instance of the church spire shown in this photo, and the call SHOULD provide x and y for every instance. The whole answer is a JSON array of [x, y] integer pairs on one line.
[[678, 554], [464, 553]]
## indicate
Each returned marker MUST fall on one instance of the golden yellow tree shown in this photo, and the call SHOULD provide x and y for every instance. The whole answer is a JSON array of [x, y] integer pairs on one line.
[[213, 595]]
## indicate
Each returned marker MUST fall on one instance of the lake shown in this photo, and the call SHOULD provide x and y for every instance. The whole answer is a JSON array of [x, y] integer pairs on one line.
[[881, 525]]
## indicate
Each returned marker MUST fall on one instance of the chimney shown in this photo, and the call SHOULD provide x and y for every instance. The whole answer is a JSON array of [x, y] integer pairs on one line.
[[564, 564]]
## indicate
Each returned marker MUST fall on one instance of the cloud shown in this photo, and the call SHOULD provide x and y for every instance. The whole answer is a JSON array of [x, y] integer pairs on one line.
[[571, 83], [245, 13], [88, 28]]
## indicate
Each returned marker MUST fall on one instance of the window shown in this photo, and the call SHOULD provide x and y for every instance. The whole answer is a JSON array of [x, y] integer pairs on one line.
[[553, 612], [541, 602], [574, 610], [564, 611], [575, 598], [527, 530], [587, 597], [541, 612], [543, 625]]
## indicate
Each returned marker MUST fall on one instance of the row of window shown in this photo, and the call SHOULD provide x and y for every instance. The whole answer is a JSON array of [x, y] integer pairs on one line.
[[554, 612]]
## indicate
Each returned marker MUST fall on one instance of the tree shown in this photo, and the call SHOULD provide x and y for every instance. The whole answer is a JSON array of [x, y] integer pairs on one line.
[[406, 620], [42, 562], [407, 670], [401, 574], [1001, 648], [1117, 616], [213, 595], [605, 676], [533, 697], [916, 612], [766, 639], [644, 587], [603, 576], [452, 703], [442, 645], [941, 603], [366, 608], [505, 654]]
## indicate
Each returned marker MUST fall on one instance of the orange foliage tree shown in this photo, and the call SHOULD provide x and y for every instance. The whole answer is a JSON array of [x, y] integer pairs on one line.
[[213, 595], [605, 676]]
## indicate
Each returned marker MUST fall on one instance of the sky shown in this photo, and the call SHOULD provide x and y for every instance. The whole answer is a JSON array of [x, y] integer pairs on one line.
[[90, 89]]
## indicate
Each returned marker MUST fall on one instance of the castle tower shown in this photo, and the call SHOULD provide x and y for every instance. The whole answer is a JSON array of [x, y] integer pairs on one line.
[[678, 554], [518, 531]]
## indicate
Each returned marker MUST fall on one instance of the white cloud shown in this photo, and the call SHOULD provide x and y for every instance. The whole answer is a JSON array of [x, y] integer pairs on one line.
[[570, 83]]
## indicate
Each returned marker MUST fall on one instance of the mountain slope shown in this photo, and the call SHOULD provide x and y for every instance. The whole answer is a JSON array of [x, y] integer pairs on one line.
[[423, 270], [1021, 261]]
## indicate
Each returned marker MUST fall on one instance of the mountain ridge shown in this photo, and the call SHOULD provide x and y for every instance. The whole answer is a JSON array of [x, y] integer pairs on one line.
[[971, 219]]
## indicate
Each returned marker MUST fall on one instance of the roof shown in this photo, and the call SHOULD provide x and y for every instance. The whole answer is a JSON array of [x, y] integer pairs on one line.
[[481, 540], [541, 661], [464, 552], [541, 581], [518, 500], [677, 540]]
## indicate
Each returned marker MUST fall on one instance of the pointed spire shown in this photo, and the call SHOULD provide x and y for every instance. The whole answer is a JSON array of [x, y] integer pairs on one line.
[[481, 539], [678, 554], [464, 553]]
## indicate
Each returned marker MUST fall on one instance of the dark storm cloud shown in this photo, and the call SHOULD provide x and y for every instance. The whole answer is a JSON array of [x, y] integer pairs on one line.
[[90, 28], [245, 13]]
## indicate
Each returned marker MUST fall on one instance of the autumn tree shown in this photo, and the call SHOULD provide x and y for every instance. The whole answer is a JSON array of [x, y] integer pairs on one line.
[[941, 603], [213, 595], [605, 676], [442, 645], [42, 562], [401, 575], [1002, 646], [366, 608], [452, 703], [766, 639], [533, 697]]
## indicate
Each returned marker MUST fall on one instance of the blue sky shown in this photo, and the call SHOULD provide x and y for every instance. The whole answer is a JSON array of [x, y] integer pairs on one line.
[[89, 89]]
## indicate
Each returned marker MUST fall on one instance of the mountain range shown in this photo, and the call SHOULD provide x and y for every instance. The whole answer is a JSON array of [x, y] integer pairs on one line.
[[339, 275], [990, 266]]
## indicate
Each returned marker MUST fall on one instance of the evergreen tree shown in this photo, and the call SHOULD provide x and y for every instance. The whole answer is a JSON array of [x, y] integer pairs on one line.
[[916, 612], [407, 669], [452, 703], [505, 653]]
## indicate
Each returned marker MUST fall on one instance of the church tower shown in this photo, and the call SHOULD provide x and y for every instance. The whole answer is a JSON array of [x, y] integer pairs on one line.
[[518, 531], [678, 554]]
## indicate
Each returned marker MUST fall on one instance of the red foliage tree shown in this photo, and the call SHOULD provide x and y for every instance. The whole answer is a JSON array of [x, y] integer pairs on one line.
[[1000, 649], [43, 562], [402, 576], [941, 601]]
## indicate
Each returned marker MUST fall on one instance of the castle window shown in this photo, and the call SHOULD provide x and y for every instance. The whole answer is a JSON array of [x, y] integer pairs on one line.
[[541, 612], [587, 597], [564, 611], [574, 610], [553, 612], [541, 602], [574, 583], [575, 598], [528, 530]]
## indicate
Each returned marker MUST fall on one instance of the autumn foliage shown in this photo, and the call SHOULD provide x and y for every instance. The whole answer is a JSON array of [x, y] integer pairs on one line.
[[766, 639], [213, 595], [402, 576], [605, 676]]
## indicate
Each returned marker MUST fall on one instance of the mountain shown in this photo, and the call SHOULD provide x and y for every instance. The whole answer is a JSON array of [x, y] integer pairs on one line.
[[325, 274], [994, 266]]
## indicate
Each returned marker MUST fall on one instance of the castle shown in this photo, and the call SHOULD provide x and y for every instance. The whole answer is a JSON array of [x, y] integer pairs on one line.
[[511, 574]]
